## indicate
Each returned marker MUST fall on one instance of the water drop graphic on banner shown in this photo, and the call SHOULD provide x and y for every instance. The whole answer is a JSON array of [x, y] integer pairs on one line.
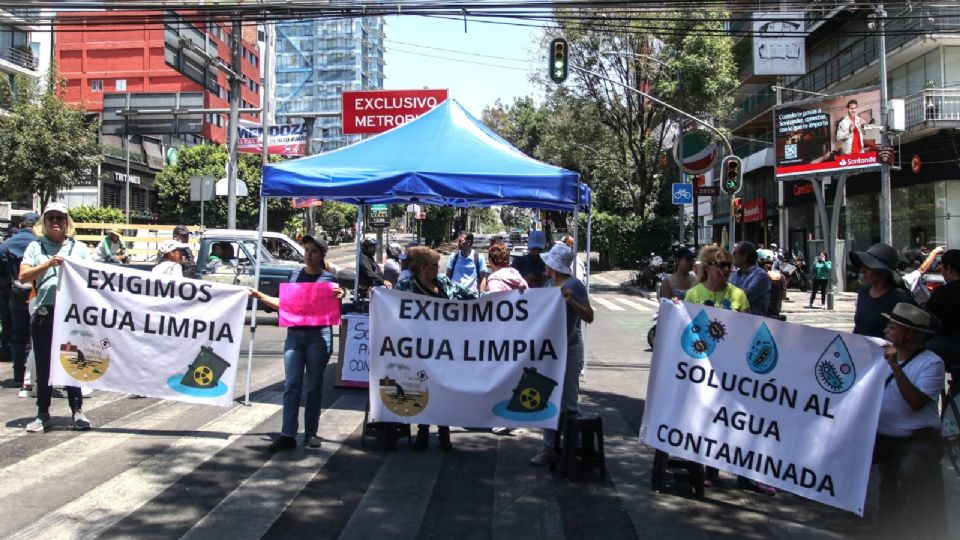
[[696, 339], [834, 369], [762, 356]]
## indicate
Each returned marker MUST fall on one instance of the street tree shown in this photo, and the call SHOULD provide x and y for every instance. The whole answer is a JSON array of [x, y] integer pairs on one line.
[[173, 190], [46, 145]]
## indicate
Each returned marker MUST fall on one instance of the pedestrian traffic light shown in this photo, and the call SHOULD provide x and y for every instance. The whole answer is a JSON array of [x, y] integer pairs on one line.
[[737, 206], [558, 60], [731, 175]]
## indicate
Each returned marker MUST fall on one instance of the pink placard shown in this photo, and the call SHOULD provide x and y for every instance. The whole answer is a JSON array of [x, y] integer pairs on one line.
[[309, 304]]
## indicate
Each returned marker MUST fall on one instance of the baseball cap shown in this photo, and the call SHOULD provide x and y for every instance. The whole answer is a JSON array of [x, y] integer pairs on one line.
[[55, 207], [537, 239], [170, 245], [181, 229], [29, 218], [317, 241]]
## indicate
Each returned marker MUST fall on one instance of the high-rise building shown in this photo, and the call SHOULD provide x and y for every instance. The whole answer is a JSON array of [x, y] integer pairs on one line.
[[316, 61]]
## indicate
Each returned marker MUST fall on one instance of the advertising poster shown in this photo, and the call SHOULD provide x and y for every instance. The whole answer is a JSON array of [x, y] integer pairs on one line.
[[828, 135]]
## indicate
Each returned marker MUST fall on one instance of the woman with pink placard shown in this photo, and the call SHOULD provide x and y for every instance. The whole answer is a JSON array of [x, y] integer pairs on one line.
[[305, 351]]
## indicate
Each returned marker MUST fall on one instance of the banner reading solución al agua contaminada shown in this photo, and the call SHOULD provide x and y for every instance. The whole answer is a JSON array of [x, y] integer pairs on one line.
[[789, 405], [496, 361], [131, 331]]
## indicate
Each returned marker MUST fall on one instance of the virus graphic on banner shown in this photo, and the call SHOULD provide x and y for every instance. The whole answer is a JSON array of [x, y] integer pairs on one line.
[[84, 357], [202, 377], [404, 393], [531, 398], [700, 337], [834, 369], [762, 356]]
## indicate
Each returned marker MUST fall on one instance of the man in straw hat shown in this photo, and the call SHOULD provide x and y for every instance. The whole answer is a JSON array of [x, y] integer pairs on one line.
[[909, 447], [111, 248]]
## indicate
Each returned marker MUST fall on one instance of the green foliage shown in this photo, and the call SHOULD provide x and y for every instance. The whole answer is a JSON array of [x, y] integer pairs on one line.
[[96, 214], [436, 228], [334, 215], [488, 219], [623, 240], [513, 217], [45, 144], [173, 190]]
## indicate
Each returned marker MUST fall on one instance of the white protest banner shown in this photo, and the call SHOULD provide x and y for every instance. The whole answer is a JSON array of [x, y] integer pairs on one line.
[[127, 330], [789, 405], [496, 361], [355, 351]]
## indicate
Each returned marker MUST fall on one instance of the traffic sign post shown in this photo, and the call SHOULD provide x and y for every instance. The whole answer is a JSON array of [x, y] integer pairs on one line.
[[682, 193], [706, 191]]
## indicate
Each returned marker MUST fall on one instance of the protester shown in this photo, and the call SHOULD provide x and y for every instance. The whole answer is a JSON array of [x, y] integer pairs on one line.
[[750, 278], [182, 234], [944, 304], [578, 269], [18, 330], [531, 265], [821, 277], [424, 264], [40, 266], [881, 289], [677, 283], [370, 273], [777, 283], [306, 353], [558, 262], [503, 277], [391, 267], [466, 266], [404, 265], [913, 280], [909, 446], [170, 256], [111, 248]]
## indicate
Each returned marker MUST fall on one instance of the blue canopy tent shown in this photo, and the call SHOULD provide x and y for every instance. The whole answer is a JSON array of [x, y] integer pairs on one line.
[[444, 157]]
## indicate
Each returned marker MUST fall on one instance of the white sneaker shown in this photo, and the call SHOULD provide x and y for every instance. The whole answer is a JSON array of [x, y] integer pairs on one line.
[[85, 391], [39, 425], [23, 393], [81, 422], [545, 457], [501, 430]]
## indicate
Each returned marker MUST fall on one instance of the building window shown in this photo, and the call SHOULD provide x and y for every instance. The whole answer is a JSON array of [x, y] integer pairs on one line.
[[121, 85], [96, 85]]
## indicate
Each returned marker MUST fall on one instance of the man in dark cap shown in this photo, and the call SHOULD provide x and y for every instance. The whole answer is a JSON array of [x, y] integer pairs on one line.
[[749, 277], [182, 234], [882, 288], [944, 304], [13, 297]]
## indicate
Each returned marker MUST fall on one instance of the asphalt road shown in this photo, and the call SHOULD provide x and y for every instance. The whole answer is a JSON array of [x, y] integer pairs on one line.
[[159, 469]]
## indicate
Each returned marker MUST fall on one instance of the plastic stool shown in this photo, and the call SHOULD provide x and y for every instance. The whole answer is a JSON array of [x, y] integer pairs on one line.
[[582, 445]]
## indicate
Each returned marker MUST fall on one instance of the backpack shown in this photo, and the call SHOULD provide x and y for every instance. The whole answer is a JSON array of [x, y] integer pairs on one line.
[[476, 265]]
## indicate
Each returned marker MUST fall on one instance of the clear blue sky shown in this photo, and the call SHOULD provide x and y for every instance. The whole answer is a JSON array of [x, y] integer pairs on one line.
[[436, 53]]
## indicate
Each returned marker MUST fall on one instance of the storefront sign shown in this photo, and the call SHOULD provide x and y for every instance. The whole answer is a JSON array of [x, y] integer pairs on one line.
[[800, 192], [376, 111], [828, 135], [699, 152], [778, 43], [121, 177], [789, 405], [754, 210]]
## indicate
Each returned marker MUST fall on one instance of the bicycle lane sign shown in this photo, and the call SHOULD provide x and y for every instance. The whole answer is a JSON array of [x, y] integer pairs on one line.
[[682, 193]]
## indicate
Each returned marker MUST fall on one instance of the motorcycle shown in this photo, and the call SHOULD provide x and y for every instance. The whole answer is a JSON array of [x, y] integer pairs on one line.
[[650, 271], [796, 271]]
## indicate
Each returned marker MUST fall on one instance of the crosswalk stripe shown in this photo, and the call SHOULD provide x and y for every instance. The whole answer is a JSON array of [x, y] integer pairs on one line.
[[246, 513], [601, 279], [116, 498], [607, 304], [9, 432], [631, 303]]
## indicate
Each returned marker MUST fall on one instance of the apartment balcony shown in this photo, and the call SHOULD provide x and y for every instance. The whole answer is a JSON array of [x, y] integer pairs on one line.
[[755, 109], [930, 111], [19, 60]]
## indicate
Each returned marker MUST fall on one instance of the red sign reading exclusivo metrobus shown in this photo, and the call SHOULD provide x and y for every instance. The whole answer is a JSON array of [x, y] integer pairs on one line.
[[376, 111]]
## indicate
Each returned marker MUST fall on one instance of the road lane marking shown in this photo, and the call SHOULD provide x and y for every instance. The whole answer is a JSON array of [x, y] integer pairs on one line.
[[632, 304], [607, 304]]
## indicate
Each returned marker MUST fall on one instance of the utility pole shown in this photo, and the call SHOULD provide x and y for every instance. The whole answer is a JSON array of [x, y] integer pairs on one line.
[[233, 127], [886, 220]]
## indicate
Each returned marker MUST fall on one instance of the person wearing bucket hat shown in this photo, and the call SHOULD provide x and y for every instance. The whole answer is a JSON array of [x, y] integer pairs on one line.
[[170, 253], [558, 262], [881, 289], [111, 248], [909, 445], [41, 266]]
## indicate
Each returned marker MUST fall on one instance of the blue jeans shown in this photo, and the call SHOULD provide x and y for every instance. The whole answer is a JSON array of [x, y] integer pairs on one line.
[[305, 350], [569, 400]]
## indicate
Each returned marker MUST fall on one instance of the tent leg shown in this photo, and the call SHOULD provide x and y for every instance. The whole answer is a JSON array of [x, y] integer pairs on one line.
[[253, 308]]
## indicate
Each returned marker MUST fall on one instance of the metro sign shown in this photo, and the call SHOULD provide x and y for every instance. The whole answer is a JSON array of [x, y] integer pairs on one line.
[[376, 111]]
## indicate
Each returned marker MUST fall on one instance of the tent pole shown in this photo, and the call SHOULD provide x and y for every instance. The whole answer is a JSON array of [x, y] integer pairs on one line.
[[253, 308], [586, 280], [357, 241]]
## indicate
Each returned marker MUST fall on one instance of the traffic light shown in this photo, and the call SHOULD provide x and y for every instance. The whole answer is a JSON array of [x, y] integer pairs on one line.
[[737, 209], [731, 175], [558, 60]]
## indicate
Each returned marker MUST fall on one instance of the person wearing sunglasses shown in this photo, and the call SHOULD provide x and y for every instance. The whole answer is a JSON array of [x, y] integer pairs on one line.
[[713, 286], [41, 266]]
